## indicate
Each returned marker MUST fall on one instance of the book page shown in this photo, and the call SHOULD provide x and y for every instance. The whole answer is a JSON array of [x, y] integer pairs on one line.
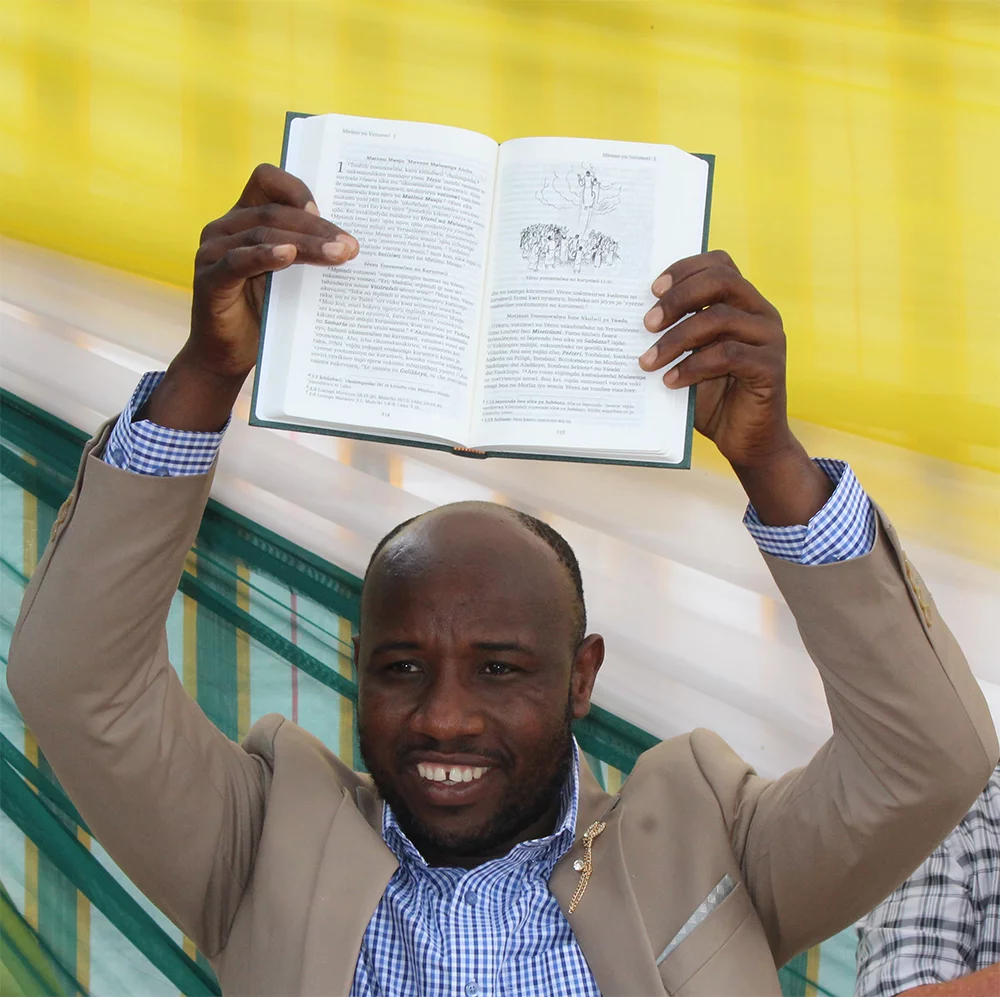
[[388, 341], [581, 228]]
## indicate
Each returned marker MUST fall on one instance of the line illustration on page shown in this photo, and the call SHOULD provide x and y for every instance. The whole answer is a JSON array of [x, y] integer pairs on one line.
[[548, 245]]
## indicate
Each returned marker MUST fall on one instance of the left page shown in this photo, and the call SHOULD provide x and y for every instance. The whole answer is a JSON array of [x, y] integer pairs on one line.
[[385, 344]]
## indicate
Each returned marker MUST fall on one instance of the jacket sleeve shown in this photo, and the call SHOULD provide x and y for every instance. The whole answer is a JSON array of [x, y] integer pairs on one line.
[[913, 745], [177, 804]]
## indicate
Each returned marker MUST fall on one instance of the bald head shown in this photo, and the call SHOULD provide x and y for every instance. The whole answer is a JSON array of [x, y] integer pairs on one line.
[[486, 537], [472, 664]]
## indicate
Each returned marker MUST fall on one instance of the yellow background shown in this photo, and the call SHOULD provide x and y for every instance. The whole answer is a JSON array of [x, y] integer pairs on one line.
[[858, 148]]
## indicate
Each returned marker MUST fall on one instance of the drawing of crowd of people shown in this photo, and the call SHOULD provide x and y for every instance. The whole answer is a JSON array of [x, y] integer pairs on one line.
[[549, 245], [577, 189]]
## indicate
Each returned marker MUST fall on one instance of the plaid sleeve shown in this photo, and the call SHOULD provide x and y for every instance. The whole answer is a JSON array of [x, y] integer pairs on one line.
[[924, 932], [145, 448], [842, 529]]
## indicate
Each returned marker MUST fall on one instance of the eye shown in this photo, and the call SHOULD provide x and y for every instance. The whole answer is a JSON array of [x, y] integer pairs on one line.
[[498, 668], [403, 667]]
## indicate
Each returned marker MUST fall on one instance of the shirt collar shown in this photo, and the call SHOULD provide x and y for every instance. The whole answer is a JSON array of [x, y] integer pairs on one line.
[[547, 850]]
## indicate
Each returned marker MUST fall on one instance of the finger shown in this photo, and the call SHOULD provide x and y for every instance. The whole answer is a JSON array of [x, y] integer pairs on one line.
[[689, 266], [275, 216], [268, 183], [706, 287], [241, 263], [751, 364], [315, 249], [716, 322]]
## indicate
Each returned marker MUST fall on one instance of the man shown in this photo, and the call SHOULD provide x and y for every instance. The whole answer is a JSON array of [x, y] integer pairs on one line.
[[481, 857], [589, 192], [938, 935]]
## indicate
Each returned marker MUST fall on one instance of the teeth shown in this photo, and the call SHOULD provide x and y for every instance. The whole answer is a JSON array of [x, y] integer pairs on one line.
[[455, 774]]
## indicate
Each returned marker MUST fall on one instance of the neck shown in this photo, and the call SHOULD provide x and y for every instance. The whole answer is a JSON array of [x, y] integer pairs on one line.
[[539, 828]]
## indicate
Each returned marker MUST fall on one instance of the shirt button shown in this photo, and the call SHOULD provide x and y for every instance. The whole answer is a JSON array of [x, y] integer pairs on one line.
[[471, 899], [472, 989]]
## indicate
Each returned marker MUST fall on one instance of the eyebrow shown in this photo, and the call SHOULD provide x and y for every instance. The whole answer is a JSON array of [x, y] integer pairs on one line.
[[481, 645], [501, 645], [396, 645]]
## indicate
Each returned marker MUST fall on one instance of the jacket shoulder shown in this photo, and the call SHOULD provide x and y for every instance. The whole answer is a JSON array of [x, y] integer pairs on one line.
[[698, 765], [699, 753], [288, 750]]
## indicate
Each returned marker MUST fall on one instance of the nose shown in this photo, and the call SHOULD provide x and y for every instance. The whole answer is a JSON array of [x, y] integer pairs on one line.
[[447, 711]]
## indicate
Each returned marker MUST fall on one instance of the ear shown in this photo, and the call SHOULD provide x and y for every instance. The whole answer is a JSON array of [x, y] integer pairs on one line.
[[586, 664]]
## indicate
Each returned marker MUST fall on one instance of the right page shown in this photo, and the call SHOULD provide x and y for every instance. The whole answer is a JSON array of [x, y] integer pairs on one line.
[[581, 228]]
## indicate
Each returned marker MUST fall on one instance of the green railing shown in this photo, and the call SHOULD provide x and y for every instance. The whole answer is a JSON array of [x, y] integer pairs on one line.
[[258, 623]]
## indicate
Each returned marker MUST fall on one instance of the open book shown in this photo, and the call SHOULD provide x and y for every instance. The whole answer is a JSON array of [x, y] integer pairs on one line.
[[495, 308]]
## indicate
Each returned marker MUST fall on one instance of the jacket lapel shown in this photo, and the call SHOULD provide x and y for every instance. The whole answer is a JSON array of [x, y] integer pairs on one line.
[[607, 923], [354, 871]]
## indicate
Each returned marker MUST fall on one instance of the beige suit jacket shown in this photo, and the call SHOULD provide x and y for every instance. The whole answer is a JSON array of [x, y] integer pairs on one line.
[[268, 854]]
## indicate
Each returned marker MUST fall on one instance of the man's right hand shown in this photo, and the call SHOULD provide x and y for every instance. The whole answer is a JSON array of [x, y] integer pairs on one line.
[[274, 224]]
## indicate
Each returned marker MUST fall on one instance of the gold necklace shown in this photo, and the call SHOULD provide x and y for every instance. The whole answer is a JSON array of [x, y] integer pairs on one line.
[[585, 865]]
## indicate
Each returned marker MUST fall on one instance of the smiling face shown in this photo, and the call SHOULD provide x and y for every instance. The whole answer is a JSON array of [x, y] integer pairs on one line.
[[470, 670]]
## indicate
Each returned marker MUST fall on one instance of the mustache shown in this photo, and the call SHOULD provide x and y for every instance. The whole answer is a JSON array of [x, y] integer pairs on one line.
[[495, 756]]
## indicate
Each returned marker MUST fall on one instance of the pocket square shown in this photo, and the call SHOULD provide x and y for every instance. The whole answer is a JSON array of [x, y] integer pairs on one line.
[[720, 891]]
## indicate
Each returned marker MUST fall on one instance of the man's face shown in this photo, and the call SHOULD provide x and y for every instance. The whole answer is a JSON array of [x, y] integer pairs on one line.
[[469, 675]]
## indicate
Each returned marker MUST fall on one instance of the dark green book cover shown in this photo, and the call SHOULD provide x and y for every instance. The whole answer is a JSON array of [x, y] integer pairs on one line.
[[684, 463]]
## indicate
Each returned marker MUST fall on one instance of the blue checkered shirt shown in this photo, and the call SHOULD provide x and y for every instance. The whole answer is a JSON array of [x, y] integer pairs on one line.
[[494, 930], [497, 929], [145, 448]]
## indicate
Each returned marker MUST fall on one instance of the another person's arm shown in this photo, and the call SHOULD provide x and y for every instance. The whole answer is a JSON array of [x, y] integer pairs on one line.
[[984, 983], [925, 939], [177, 804], [913, 741]]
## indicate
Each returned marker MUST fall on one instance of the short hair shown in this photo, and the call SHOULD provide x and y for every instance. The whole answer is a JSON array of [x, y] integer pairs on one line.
[[556, 542]]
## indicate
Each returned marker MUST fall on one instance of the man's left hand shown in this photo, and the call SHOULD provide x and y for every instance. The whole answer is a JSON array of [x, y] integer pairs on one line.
[[739, 367]]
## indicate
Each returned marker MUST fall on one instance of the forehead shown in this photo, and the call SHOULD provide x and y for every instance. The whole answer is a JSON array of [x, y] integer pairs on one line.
[[467, 567]]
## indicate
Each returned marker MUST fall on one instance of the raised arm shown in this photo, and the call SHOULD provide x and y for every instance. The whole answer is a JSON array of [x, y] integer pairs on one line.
[[176, 803], [913, 740]]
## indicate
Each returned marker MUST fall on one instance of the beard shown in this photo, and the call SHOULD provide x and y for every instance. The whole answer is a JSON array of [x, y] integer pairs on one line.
[[517, 809]]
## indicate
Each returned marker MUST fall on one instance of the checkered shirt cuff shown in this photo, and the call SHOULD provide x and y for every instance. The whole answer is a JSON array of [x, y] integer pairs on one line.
[[842, 529], [146, 448]]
